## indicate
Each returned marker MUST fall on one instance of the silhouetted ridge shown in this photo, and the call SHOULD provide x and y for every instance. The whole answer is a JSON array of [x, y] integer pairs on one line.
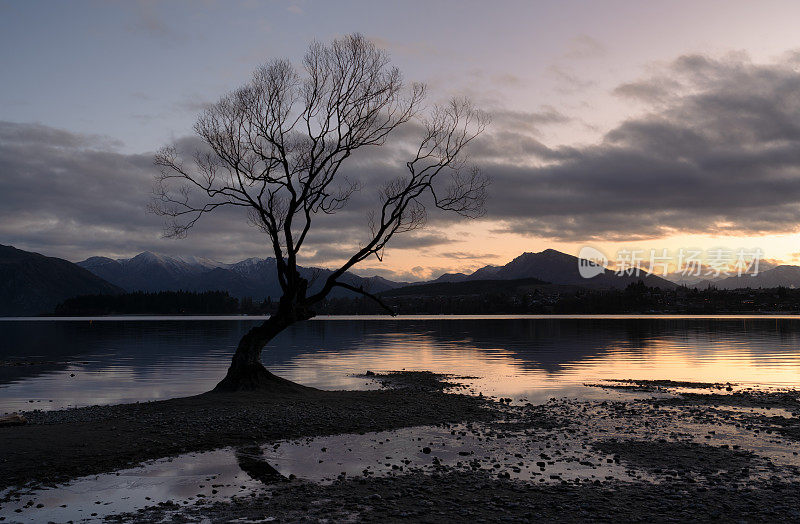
[[252, 277], [557, 268], [32, 284], [779, 276]]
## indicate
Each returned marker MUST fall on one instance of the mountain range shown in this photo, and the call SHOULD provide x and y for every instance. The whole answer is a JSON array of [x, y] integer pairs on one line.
[[779, 276], [31, 283], [253, 277], [555, 267], [256, 278]]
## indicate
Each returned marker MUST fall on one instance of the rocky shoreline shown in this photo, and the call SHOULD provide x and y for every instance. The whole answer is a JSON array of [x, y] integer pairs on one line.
[[99, 439], [650, 452], [478, 497]]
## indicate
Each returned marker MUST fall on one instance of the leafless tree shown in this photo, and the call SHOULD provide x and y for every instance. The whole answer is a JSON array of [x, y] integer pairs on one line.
[[275, 147]]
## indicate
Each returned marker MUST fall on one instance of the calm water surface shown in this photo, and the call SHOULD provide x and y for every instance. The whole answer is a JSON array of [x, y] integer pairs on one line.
[[56, 363]]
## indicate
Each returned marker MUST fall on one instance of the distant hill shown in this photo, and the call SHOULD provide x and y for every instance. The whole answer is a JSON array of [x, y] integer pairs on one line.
[[31, 284], [484, 273], [557, 268], [253, 277], [780, 276]]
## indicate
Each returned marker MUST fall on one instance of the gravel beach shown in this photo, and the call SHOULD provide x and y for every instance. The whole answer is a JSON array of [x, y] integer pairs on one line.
[[477, 497], [59, 445], [651, 452]]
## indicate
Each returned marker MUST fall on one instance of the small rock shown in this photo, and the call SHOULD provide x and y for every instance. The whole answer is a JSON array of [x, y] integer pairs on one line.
[[15, 419]]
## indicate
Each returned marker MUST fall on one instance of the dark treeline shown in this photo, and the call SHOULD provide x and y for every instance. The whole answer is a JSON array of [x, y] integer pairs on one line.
[[636, 298], [162, 303], [524, 299]]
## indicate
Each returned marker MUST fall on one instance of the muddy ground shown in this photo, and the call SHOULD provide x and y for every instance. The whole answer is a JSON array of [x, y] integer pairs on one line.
[[652, 452], [59, 445], [479, 497]]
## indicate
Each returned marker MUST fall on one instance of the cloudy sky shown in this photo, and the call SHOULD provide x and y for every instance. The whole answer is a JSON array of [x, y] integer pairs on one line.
[[617, 124]]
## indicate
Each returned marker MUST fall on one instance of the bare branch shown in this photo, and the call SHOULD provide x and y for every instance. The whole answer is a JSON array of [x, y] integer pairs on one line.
[[360, 290], [276, 145]]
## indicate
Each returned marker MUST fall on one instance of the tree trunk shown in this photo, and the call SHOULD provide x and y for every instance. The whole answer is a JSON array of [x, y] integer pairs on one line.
[[246, 372]]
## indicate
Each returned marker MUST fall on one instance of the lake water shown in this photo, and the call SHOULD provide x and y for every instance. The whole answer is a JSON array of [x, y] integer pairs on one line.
[[54, 363]]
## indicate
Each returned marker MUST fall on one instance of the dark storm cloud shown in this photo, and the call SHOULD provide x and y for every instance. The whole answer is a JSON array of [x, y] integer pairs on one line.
[[716, 151], [648, 91], [73, 196], [325, 253], [719, 152], [53, 176], [16, 134], [528, 122]]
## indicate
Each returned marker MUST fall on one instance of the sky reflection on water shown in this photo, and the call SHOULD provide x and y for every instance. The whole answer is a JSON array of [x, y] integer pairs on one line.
[[81, 363]]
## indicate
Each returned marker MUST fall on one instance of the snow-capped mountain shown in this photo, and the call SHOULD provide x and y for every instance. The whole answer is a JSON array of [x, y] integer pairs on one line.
[[150, 271], [252, 277], [256, 277]]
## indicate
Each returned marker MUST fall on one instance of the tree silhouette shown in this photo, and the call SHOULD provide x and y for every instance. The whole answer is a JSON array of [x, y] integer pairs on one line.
[[275, 147]]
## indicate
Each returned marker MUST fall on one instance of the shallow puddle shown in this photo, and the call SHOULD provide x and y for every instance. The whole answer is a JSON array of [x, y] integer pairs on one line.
[[186, 478], [219, 475], [529, 443]]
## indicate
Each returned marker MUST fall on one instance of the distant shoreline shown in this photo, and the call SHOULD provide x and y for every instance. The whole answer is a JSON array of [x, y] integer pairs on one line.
[[487, 316]]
